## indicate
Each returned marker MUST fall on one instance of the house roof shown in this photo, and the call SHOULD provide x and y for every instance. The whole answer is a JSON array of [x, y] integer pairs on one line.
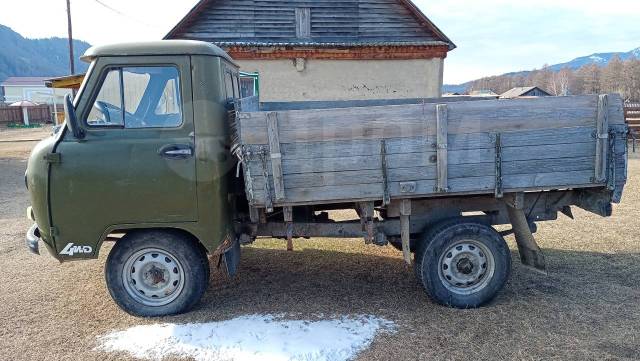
[[483, 92], [31, 81], [519, 91], [350, 23]]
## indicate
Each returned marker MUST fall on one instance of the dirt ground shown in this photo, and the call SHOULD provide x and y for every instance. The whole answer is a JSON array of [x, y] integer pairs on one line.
[[587, 308]]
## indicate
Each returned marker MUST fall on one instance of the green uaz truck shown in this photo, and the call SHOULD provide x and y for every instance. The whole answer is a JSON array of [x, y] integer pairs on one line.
[[160, 155]]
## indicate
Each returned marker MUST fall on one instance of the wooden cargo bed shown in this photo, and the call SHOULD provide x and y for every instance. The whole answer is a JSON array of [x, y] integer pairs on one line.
[[429, 148]]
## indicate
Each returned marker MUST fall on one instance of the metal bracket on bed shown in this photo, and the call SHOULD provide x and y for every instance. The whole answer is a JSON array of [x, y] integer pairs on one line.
[[498, 187], [386, 199], [611, 181]]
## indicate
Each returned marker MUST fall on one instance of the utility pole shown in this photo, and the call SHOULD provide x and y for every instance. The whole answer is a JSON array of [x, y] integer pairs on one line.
[[71, 61]]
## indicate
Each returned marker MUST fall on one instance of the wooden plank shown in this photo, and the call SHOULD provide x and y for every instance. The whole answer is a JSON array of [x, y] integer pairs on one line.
[[408, 120], [332, 104], [426, 159], [305, 180], [420, 144], [275, 155], [405, 231], [602, 139], [468, 185]]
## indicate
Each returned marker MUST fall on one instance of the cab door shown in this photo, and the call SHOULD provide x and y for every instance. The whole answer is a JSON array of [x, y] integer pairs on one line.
[[135, 165]]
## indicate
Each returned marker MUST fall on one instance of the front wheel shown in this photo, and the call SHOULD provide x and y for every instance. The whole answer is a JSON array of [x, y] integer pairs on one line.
[[464, 265], [156, 273]]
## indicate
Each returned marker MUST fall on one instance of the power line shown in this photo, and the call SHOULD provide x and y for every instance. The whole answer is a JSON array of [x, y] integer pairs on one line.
[[106, 6]]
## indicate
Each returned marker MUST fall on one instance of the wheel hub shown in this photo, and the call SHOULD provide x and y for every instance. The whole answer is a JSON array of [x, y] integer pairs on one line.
[[153, 277], [466, 267]]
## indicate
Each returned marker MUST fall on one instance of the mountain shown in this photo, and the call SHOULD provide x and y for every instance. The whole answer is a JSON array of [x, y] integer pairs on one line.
[[601, 59], [20, 56]]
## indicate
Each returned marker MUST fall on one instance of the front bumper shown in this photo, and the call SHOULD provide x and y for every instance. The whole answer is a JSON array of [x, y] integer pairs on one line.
[[33, 237]]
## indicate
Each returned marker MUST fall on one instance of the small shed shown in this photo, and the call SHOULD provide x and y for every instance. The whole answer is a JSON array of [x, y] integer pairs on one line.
[[325, 49], [529, 91]]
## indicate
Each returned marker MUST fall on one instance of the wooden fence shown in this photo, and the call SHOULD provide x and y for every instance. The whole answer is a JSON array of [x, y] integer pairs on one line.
[[632, 116], [37, 114]]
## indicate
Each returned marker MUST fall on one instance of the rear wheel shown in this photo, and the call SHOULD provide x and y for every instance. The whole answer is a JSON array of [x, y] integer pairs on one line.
[[463, 264], [156, 273]]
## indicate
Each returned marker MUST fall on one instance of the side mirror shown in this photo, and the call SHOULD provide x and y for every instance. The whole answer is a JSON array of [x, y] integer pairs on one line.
[[72, 121]]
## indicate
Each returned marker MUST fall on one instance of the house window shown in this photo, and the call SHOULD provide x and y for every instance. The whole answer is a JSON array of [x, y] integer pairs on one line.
[[248, 84]]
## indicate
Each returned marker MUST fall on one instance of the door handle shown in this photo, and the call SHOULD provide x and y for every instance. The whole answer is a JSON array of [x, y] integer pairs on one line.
[[176, 151]]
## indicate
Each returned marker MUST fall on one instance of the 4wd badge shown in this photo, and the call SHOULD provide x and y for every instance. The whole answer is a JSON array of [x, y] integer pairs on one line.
[[71, 250]]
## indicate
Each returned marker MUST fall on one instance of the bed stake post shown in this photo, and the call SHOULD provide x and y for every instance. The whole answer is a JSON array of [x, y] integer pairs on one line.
[[602, 141], [442, 157], [288, 221], [530, 253], [405, 231]]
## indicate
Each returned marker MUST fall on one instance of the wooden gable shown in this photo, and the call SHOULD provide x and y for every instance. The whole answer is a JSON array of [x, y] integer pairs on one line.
[[322, 23]]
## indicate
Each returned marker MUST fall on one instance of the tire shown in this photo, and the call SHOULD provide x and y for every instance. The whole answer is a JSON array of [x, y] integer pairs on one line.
[[157, 273], [463, 264]]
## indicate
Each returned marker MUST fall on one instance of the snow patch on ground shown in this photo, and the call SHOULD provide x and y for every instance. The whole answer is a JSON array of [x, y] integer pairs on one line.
[[253, 337]]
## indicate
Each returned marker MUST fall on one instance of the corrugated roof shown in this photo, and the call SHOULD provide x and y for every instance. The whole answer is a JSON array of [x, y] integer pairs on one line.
[[24, 81], [218, 20]]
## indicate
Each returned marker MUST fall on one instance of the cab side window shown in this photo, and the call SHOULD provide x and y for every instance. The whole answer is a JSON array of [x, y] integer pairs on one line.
[[228, 85], [138, 97]]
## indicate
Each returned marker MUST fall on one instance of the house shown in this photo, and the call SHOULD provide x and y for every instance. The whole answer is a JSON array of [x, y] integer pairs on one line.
[[529, 91], [325, 49], [32, 89], [485, 93]]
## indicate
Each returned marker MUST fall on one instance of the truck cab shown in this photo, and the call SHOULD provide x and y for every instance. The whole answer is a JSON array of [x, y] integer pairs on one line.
[[145, 146]]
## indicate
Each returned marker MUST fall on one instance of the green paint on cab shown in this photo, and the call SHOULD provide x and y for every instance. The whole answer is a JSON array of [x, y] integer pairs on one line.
[[154, 150]]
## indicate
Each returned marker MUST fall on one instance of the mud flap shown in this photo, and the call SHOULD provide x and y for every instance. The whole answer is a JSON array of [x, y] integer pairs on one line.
[[230, 259]]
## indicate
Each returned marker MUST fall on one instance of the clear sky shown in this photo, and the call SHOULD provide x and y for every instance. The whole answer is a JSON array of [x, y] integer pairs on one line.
[[493, 36]]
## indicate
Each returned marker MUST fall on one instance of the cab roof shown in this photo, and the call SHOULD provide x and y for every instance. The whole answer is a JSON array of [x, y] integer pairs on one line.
[[159, 47]]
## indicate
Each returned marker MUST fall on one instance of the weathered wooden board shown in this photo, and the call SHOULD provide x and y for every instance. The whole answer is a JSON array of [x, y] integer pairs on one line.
[[305, 180], [408, 120], [425, 159], [418, 144], [335, 155], [469, 185]]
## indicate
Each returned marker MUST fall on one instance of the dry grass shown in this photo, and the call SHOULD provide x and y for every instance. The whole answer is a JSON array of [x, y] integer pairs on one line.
[[587, 308]]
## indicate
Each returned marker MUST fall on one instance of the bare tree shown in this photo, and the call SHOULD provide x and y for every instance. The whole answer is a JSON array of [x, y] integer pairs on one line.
[[617, 76]]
